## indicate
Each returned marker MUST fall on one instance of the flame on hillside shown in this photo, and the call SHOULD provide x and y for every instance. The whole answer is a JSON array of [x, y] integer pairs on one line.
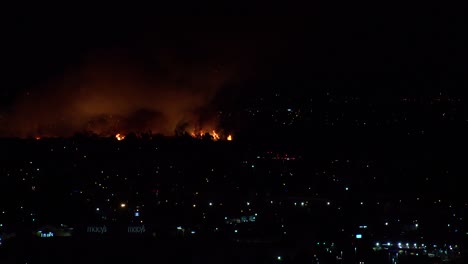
[[213, 134], [119, 136]]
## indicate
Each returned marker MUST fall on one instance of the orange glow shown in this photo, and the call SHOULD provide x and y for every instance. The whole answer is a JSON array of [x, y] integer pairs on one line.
[[119, 137], [38, 138], [215, 135]]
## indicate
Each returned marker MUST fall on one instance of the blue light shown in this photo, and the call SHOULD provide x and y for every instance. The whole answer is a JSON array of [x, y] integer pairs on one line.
[[358, 236]]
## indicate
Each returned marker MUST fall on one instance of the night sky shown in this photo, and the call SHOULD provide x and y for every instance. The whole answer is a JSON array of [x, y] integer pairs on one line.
[[175, 64]]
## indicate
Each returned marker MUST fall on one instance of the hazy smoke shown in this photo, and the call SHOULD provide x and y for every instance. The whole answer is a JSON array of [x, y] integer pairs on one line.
[[121, 93]]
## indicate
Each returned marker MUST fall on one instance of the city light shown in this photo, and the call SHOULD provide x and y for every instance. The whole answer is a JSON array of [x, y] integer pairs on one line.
[[122, 205]]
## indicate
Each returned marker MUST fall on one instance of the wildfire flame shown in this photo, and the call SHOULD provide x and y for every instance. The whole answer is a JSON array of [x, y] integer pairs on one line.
[[119, 137], [215, 135]]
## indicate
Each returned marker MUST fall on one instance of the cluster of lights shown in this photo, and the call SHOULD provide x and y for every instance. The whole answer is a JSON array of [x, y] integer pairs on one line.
[[401, 245]]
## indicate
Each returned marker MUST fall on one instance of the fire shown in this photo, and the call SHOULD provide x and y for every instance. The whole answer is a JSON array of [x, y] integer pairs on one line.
[[119, 136], [215, 135]]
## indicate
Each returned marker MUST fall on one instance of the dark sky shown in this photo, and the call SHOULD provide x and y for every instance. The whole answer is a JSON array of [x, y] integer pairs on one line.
[[356, 48], [293, 39]]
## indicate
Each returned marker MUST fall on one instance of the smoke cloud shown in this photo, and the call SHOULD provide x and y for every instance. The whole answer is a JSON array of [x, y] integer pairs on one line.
[[120, 92]]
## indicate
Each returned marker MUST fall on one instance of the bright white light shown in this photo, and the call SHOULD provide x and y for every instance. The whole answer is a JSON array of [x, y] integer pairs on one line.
[[248, 203], [377, 244], [386, 223], [193, 232], [97, 209], [211, 204], [279, 258], [388, 244], [328, 203], [346, 188], [302, 203], [123, 205], [179, 228], [399, 244]]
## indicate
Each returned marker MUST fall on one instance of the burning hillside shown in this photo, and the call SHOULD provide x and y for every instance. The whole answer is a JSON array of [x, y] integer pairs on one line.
[[119, 96]]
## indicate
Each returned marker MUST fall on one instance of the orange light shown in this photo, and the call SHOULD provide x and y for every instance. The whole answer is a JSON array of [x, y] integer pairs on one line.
[[119, 137], [38, 138], [215, 135]]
